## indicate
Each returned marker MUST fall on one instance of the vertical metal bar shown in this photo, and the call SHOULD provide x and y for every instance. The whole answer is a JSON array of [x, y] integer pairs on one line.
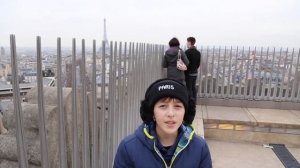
[[206, 67], [125, 91], [115, 103], [296, 78], [129, 86], [223, 74], [41, 107], [218, 73], [110, 127], [235, 73], [120, 90], [200, 78], [114, 99], [21, 146], [137, 75], [263, 90], [75, 158], [241, 74], [253, 69], [95, 129], [152, 58], [103, 136], [271, 77], [62, 134], [288, 88], [258, 83], [283, 75], [142, 75], [277, 75], [211, 87], [127, 105], [143, 67], [298, 64], [228, 91], [133, 88], [85, 145], [247, 76], [130, 81], [160, 50], [138, 49]]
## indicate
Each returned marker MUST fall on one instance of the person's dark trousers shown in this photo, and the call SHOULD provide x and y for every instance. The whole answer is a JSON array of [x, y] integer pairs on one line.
[[191, 86]]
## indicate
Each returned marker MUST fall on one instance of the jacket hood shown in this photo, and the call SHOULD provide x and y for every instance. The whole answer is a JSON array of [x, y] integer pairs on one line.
[[172, 51], [145, 134]]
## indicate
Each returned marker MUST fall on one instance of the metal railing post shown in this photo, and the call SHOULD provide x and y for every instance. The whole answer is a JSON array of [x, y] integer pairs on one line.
[[228, 90], [61, 127], [234, 92], [296, 79], [281, 96], [20, 134], [252, 93], [223, 74], [41, 107], [247, 76], [288, 90], [75, 152], [258, 83], [271, 77], [103, 133], [211, 87], [94, 112]]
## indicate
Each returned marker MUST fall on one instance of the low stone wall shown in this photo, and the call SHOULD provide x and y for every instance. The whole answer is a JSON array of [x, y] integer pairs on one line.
[[8, 145]]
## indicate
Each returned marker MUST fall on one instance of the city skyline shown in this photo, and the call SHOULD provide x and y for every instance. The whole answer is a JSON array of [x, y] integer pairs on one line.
[[250, 23]]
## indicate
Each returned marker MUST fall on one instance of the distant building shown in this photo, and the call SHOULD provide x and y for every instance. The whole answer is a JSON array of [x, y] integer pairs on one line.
[[30, 76], [2, 52], [5, 70]]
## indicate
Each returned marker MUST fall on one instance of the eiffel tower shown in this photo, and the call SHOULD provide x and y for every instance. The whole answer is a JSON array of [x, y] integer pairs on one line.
[[107, 48]]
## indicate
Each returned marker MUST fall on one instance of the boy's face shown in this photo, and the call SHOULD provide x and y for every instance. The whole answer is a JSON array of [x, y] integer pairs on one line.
[[168, 114], [188, 44]]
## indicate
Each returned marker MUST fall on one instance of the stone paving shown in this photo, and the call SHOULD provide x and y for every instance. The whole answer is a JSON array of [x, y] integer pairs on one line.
[[234, 154], [242, 155]]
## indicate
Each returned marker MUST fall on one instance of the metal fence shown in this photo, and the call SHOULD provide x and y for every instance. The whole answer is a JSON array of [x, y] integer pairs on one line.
[[125, 71], [110, 108], [250, 73]]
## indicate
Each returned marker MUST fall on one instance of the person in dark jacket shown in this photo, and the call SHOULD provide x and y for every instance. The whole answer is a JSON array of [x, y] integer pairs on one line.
[[166, 138], [170, 61], [194, 57]]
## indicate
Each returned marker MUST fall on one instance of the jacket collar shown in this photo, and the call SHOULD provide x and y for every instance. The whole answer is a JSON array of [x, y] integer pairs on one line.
[[146, 135]]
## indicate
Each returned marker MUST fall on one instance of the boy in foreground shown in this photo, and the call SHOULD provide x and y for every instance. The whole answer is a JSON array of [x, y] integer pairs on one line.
[[166, 138]]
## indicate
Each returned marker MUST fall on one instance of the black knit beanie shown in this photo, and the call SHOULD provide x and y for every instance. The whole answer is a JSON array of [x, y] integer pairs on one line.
[[160, 89]]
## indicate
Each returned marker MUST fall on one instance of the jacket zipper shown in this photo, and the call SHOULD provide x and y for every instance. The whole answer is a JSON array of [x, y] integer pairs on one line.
[[158, 153], [173, 159]]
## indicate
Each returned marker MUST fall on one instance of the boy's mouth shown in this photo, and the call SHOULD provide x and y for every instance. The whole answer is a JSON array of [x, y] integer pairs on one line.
[[170, 123]]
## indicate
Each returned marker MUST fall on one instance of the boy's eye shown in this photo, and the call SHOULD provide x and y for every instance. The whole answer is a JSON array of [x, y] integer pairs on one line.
[[162, 106], [178, 106]]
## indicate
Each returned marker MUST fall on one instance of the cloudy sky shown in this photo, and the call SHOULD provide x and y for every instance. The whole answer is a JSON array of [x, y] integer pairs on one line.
[[212, 22]]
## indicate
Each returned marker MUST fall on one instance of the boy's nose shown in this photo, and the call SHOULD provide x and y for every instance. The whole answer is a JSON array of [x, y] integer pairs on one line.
[[170, 112]]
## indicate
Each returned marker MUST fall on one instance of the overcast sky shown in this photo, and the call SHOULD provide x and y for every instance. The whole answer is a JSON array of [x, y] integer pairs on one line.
[[212, 22]]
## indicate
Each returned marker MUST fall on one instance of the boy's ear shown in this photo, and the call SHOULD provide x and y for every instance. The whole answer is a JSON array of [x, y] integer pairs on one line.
[[143, 110]]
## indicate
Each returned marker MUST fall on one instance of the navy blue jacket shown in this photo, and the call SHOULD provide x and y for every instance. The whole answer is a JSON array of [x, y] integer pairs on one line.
[[139, 151]]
